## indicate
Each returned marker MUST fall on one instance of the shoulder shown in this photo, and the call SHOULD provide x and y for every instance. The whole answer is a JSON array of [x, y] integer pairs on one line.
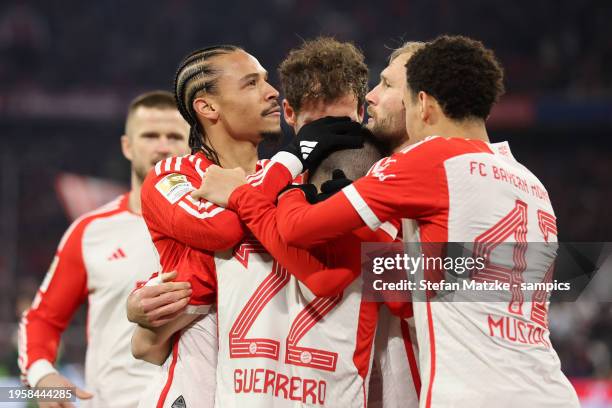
[[189, 165], [436, 148], [171, 177], [78, 226], [425, 158]]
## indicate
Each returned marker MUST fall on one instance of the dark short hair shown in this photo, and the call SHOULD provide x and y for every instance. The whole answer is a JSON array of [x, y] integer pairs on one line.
[[465, 77], [323, 70], [154, 99], [354, 162]]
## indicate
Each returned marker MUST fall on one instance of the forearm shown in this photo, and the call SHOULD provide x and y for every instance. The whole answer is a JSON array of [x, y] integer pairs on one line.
[[153, 344], [42, 325], [259, 214], [147, 345], [221, 231], [305, 226], [271, 179]]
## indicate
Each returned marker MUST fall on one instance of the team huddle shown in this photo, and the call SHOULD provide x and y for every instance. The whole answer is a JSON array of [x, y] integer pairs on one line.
[[243, 277]]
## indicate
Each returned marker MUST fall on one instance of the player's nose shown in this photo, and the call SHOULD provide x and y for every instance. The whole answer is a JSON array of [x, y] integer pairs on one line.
[[271, 92], [372, 96], [163, 146]]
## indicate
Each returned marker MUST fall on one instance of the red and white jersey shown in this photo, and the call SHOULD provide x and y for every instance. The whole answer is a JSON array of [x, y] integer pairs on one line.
[[281, 346], [179, 223], [328, 340], [188, 376], [459, 190], [99, 260], [396, 352], [187, 231]]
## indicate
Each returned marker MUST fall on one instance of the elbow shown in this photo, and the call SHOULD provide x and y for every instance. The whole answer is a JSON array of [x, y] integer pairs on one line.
[[293, 236], [139, 350], [141, 346], [227, 240], [147, 353]]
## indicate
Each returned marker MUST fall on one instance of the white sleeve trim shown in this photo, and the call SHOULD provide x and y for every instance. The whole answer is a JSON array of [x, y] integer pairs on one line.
[[154, 281], [389, 229], [362, 208], [38, 370], [197, 309], [292, 163]]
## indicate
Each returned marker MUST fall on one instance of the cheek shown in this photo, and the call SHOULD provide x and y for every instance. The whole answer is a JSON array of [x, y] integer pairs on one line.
[[392, 103], [180, 148], [243, 110], [143, 150]]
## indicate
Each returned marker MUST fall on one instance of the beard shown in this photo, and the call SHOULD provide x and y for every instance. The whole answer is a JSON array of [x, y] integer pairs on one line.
[[390, 133]]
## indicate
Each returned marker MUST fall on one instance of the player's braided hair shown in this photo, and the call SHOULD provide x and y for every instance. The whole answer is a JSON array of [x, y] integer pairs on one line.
[[197, 75]]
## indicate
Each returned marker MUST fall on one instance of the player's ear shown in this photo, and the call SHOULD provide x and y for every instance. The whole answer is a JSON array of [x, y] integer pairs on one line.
[[289, 113], [126, 147], [361, 113], [206, 108], [425, 106]]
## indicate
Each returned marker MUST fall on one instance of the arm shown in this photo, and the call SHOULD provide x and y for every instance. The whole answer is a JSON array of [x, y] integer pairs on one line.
[[258, 212], [409, 184], [271, 178], [305, 226], [60, 294], [155, 305], [191, 296], [153, 345], [169, 210]]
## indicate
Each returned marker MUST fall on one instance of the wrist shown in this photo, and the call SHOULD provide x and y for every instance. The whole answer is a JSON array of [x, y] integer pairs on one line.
[[290, 161], [38, 370]]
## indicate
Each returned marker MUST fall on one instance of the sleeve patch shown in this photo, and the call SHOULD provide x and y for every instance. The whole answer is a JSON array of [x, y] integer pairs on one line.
[[173, 187]]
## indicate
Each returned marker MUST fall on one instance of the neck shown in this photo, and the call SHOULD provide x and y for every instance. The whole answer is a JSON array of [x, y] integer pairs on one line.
[[134, 197], [396, 147], [234, 153], [467, 129]]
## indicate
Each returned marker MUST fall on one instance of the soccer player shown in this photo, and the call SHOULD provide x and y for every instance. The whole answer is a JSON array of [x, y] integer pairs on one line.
[[100, 259], [223, 93], [396, 346], [457, 187], [326, 77]]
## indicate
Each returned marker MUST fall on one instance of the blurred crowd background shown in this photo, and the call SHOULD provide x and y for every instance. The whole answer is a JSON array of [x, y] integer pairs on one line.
[[69, 68]]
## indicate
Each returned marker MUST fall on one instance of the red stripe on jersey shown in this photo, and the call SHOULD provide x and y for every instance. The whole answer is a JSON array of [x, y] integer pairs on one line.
[[414, 369], [240, 346], [312, 313], [366, 328], [259, 171], [432, 354], [164, 393], [547, 223]]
